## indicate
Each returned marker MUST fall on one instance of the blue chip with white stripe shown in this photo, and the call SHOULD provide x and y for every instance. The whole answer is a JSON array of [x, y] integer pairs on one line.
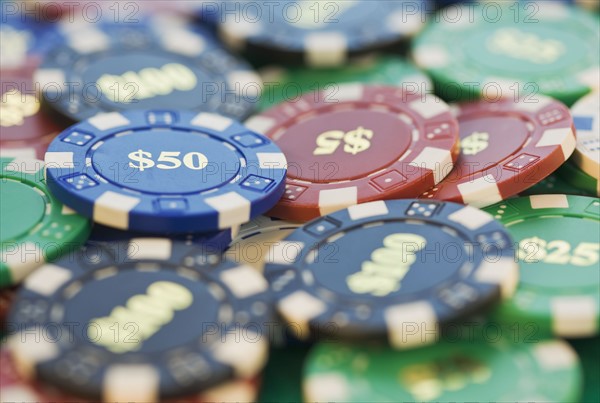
[[394, 270], [318, 34], [163, 171], [151, 62]]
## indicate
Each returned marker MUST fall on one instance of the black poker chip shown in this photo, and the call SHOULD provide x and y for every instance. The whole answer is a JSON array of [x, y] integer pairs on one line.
[[142, 320]]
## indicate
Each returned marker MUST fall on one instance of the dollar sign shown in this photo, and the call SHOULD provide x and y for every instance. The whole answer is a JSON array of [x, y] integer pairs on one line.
[[475, 143], [356, 140], [140, 156]]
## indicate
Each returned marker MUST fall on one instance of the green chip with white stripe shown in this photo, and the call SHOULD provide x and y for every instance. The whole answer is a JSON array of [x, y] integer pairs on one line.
[[558, 239], [35, 227]]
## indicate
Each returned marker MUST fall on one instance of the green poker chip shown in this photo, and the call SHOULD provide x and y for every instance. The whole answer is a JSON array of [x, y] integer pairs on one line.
[[464, 371], [579, 179], [282, 84], [588, 350], [558, 239], [35, 227], [555, 184], [281, 378], [493, 50]]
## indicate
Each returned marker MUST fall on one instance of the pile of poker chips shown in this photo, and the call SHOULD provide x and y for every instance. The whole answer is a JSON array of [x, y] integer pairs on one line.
[[358, 191]]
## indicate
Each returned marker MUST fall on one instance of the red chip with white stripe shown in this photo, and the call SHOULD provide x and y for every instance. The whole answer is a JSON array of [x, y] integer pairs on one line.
[[355, 143], [507, 146]]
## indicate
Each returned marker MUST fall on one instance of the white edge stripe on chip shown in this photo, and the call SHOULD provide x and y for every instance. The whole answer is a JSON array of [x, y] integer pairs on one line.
[[113, 209], [131, 383], [298, 308], [244, 281], [574, 316], [419, 317], [271, 160], [232, 208], [108, 120], [260, 124], [58, 160], [366, 210], [242, 342], [555, 355], [471, 217], [504, 272], [150, 248], [212, 121]]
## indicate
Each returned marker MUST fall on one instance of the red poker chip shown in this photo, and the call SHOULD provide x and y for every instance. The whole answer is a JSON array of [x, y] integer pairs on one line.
[[16, 389], [22, 118], [35, 148], [7, 295], [506, 147], [357, 143]]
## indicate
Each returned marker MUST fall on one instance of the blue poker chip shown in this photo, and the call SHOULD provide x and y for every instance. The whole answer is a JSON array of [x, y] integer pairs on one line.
[[394, 270], [165, 171], [156, 62], [142, 320], [318, 34], [216, 241], [24, 41]]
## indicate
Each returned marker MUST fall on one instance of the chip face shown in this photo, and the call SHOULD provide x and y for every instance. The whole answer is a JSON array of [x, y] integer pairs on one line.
[[460, 370], [550, 48], [559, 247], [356, 143], [506, 147], [319, 34], [165, 171], [164, 295], [35, 226], [162, 62], [369, 271]]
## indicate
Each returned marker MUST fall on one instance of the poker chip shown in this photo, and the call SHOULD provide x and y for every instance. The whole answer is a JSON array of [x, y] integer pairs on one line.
[[29, 149], [198, 319], [498, 371], [315, 34], [7, 295], [369, 271], [494, 166], [27, 129], [24, 40], [161, 62], [554, 184], [283, 375], [17, 389], [256, 237], [559, 243], [358, 143], [586, 115], [281, 84], [165, 171], [35, 226], [579, 179], [215, 241], [588, 351], [502, 50]]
